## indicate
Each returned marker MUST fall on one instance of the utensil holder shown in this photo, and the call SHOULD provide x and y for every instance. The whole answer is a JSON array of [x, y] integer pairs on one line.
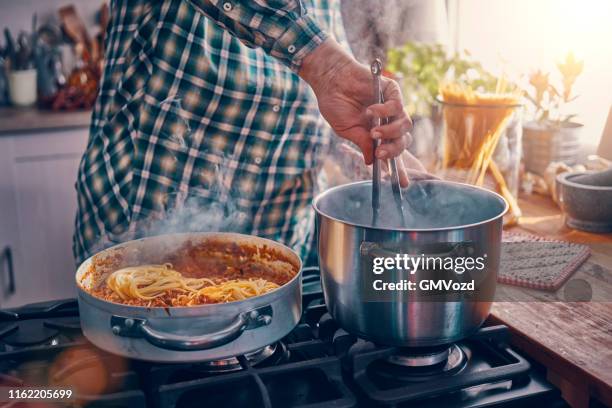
[[22, 87]]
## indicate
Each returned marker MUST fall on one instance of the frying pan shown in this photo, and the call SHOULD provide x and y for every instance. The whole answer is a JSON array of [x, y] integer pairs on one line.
[[188, 333]]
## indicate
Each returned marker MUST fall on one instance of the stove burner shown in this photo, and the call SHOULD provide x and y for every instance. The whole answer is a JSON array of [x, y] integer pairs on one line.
[[317, 365], [29, 333], [422, 356], [404, 368], [263, 356]]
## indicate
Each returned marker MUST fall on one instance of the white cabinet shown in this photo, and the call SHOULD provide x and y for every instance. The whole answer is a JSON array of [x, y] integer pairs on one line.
[[37, 209], [9, 234]]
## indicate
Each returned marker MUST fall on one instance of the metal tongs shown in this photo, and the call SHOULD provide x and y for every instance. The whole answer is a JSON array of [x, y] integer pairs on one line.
[[376, 69]]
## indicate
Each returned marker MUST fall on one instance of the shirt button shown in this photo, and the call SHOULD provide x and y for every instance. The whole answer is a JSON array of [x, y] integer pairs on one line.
[[291, 48], [227, 6], [258, 160], [276, 108]]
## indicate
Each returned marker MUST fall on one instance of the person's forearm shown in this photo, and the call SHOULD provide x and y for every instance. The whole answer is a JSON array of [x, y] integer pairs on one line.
[[282, 28]]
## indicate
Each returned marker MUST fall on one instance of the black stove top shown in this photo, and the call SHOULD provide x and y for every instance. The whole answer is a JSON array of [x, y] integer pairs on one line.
[[316, 365]]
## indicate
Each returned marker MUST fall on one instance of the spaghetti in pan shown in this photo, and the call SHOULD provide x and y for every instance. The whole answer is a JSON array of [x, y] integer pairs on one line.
[[192, 275]]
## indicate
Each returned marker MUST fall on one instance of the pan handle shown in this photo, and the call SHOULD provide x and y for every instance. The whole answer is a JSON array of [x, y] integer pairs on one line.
[[140, 328]]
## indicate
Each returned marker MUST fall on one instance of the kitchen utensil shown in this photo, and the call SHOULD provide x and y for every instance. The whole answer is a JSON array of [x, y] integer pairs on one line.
[[375, 143], [73, 26], [438, 213], [376, 69], [19, 53], [10, 48], [24, 53], [34, 33], [4, 83], [50, 34], [47, 60], [587, 205], [48, 66], [195, 333]]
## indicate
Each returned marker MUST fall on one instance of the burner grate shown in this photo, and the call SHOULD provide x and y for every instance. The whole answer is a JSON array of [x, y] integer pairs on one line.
[[316, 365], [39, 327], [507, 365], [315, 383]]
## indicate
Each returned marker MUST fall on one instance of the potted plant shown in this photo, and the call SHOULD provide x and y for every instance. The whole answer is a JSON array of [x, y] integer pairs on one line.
[[552, 135]]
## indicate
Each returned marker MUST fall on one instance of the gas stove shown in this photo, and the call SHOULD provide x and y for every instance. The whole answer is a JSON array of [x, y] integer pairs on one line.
[[317, 365]]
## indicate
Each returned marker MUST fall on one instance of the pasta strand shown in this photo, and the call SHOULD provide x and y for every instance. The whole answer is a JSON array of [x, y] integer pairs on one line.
[[147, 282]]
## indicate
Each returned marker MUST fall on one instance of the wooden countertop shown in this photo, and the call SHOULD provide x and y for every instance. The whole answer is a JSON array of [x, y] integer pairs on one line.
[[16, 120], [573, 340]]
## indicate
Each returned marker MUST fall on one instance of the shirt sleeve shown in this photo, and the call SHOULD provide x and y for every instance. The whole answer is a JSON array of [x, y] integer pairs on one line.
[[282, 28]]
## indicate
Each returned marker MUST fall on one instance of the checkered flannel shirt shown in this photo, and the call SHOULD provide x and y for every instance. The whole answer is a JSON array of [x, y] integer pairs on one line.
[[200, 108]]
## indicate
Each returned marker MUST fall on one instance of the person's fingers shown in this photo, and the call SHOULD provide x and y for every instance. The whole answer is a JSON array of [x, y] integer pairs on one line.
[[391, 149], [361, 137], [391, 89], [393, 130], [390, 108], [393, 106], [408, 139]]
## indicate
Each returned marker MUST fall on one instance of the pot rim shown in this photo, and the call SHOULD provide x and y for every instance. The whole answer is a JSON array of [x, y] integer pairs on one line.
[[405, 229], [565, 179], [184, 311]]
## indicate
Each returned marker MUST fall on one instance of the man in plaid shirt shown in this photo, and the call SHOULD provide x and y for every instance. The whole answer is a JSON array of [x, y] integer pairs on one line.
[[192, 89]]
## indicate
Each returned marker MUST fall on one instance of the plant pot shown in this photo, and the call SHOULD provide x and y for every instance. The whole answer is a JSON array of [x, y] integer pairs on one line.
[[544, 144]]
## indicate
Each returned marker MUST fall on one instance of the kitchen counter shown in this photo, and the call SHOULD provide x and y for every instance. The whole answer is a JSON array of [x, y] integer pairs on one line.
[[15, 120], [573, 340]]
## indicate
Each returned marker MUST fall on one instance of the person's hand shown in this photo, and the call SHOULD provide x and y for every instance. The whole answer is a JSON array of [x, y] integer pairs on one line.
[[344, 90]]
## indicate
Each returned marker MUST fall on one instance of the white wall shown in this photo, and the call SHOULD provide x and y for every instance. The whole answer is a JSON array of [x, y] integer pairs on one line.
[[17, 14], [522, 35]]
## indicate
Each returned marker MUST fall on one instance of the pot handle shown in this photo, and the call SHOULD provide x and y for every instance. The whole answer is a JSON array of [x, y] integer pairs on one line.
[[445, 249], [140, 328]]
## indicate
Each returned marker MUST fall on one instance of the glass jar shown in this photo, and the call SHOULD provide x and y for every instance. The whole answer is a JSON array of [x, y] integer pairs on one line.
[[482, 145]]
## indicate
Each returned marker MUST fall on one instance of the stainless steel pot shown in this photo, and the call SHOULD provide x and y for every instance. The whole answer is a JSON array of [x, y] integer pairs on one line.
[[437, 212], [193, 333]]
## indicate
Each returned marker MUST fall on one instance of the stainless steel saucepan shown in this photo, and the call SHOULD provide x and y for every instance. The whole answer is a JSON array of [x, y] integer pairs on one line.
[[436, 213], [190, 333]]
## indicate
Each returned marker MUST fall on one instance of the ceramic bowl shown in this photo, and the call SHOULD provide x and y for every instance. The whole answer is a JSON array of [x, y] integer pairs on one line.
[[587, 207]]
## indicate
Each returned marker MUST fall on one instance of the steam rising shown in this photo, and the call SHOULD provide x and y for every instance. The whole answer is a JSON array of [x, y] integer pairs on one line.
[[373, 27], [212, 209]]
